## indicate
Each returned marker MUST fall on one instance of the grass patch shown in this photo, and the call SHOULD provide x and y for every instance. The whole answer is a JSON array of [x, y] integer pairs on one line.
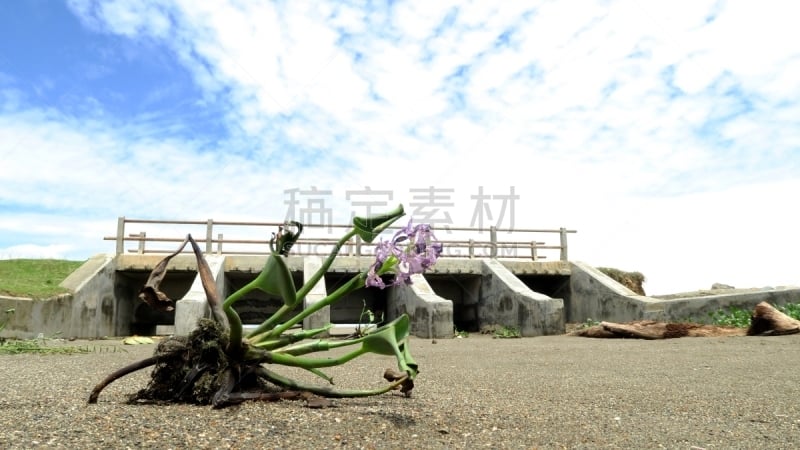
[[588, 323], [38, 346], [49, 346], [35, 278], [740, 318], [507, 332]]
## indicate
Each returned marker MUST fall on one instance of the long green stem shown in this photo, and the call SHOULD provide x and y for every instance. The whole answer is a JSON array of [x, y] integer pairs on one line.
[[268, 324], [234, 320], [314, 363], [355, 283], [287, 339], [271, 321], [317, 346], [325, 265], [326, 392]]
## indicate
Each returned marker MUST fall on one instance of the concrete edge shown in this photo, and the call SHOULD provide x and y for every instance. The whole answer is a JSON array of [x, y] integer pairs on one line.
[[88, 270], [194, 305], [321, 318], [431, 316], [514, 303]]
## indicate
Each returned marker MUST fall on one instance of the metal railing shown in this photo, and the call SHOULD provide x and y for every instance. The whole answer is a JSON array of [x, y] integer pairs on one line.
[[465, 242]]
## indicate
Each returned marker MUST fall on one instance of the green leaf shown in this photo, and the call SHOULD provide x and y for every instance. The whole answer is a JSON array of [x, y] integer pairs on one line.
[[368, 228], [276, 279], [390, 339], [386, 340], [412, 366]]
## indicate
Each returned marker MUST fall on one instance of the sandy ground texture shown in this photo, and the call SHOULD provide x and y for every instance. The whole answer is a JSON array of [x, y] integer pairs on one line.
[[544, 392]]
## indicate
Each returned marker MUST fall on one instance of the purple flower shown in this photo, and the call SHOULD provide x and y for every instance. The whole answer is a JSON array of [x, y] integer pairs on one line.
[[412, 250]]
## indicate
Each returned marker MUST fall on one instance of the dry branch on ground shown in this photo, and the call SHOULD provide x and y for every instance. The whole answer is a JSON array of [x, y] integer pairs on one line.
[[765, 321]]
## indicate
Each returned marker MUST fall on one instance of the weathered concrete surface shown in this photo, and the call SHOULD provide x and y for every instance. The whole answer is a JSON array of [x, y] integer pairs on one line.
[[89, 311], [596, 296], [318, 292], [695, 308], [431, 315], [456, 266], [519, 267], [254, 263], [194, 305], [504, 300], [103, 299]]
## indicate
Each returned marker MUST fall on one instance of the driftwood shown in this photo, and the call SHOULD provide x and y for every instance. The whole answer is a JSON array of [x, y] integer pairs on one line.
[[765, 321]]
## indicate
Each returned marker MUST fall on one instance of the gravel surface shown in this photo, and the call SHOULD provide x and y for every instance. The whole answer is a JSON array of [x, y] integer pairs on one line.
[[544, 392]]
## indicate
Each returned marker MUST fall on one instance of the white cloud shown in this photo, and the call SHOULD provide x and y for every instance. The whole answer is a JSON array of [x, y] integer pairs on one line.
[[29, 251], [664, 133]]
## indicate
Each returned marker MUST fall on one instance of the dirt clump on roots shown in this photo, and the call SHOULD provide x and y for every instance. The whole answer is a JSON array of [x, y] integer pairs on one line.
[[188, 369]]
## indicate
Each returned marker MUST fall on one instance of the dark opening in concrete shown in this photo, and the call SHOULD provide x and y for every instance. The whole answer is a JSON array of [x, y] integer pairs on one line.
[[136, 317], [257, 305], [464, 291], [553, 286], [348, 310]]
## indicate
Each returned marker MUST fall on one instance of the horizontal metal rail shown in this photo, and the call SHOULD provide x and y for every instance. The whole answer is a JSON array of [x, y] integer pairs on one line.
[[475, 246]]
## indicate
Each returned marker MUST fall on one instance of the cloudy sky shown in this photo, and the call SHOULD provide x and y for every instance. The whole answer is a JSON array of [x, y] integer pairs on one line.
[[666, 133]]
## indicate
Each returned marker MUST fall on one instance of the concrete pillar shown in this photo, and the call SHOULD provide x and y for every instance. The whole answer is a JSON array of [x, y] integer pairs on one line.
[[431, 316], [507, 301], [194, 306], [322, 317]]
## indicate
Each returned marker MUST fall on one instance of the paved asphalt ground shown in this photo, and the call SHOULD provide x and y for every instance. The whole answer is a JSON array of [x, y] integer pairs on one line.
[[544, 392]]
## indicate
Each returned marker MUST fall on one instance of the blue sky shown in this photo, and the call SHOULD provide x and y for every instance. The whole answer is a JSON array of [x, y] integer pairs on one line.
[[665, 133]]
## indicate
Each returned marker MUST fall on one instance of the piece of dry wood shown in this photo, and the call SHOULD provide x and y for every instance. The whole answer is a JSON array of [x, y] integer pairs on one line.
[[768, 321], [651, 329], [765, 321]]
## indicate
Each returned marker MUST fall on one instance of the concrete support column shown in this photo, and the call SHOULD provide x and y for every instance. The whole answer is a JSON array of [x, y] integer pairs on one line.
[[311, 264], [507, 301], [194, 305], [431, 316]]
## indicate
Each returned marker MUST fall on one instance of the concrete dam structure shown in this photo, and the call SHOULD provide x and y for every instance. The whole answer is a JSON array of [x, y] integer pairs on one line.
[[535, 297]]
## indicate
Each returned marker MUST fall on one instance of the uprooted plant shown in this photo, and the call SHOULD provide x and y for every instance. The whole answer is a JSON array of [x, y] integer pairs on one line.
[[218, 365]]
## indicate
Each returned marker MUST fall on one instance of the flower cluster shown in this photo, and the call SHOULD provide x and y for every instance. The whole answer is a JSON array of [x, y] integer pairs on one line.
[[412, 250]]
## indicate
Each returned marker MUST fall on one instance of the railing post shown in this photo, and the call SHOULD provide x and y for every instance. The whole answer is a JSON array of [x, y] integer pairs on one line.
[[219, 244], [142, 238], [493, 239], [358, 245], [209, 235], [563, 233], [534, 255], [121, 235], [471, 248]]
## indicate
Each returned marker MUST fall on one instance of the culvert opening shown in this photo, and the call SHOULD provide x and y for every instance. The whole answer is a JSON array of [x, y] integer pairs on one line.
[[349, 308], [257, 306], [137, 317], [464, 291], [554, 286]]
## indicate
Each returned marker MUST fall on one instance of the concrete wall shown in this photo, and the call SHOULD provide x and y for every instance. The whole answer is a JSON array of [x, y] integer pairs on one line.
[[317, 293], [598, 297], [103, 299], [431, 316], [194, 305], [89, 311], [699, 308], [504, 300]]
